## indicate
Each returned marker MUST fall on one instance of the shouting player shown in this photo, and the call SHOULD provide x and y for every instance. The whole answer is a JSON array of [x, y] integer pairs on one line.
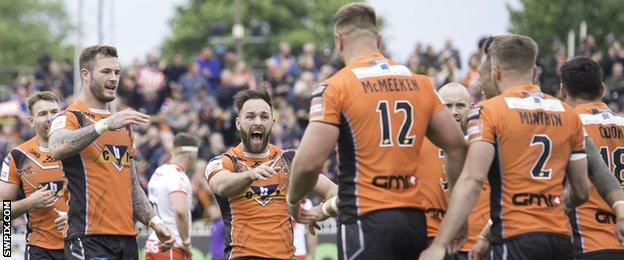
[[593, 222], [250, 184], [30, 169], [96, 151], [529, 142], [378, 112], [170, 192]]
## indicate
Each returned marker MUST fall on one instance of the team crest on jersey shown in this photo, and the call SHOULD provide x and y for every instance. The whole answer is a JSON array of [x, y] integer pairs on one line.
[[115, 154], [265, 194], [57, 186]]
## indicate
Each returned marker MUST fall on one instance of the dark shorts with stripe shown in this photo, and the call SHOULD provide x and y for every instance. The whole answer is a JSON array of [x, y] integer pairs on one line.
[[384, 234], [535, 246], [39, 253], [102, 247]]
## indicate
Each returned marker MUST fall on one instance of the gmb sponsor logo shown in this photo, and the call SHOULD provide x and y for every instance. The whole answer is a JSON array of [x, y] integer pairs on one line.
[[539, 199], [604, 217], [394, 181]]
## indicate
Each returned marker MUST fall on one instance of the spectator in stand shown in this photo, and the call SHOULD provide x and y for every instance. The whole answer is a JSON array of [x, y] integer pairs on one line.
[[192, 82], [471, 79], [451, 52], [309, 60], [210, 67], [614, 54], [176, 69], [430, 59], [549, 67], [152, 150], [282, 67], [615, 85]]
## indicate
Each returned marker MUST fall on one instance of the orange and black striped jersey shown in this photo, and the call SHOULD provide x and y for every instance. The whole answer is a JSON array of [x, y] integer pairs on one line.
[[257, 223], [593, 223], [382, 111], [535, 136], [31, 167], [434, 185], [99, 177]]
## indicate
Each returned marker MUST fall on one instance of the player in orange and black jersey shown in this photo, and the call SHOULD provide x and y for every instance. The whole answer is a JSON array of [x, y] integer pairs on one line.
[[378, 112], [594, 222], [513, 136], [435, 185], [95, 148], [30, 171], [250, 184]]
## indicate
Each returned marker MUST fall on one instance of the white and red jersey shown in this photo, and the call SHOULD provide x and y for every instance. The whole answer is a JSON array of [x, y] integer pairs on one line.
[[167, 179]]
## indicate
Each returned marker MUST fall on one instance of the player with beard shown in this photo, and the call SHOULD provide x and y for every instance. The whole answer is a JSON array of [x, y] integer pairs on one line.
[[251, 190], [96, 150], [29, 169]]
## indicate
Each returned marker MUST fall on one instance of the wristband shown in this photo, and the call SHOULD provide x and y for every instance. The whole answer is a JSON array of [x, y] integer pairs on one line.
[[324, 210], [186, 242], [101, 126], [618, 211], [486, 230], [333, 204], [155, 221]]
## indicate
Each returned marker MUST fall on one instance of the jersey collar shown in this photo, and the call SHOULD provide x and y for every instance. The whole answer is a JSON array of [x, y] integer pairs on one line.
[[587, 107]]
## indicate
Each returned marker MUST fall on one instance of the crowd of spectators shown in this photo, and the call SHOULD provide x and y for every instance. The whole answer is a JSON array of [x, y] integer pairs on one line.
[[194, 95]]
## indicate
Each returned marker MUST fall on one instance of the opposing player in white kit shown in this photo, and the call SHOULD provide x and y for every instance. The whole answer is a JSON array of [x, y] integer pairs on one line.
[[169, 190]]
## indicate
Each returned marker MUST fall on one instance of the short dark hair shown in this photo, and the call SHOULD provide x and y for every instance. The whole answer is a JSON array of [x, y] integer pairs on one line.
[[582, 77], [355, 16], [184, 139], [89, 54], [241, 97], [41, 95]]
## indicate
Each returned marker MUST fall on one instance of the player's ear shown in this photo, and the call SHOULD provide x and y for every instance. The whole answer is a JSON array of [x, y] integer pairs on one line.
[[602, 89], [30, 120], [534, 73], [562, 92], [238, 126], [85, 75], [379, 41], [339, 42]]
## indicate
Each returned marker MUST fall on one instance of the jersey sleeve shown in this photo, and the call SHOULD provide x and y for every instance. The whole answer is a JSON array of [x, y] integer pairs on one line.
[[9, 171], [64, 119], [480, 125], [326, 104], [217, 164], [435, 98]]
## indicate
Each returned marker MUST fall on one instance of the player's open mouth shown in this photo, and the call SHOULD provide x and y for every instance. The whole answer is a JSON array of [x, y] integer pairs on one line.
[[256, 137], [110, 87]]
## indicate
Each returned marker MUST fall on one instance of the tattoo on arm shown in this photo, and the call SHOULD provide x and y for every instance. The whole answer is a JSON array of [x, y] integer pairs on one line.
[[599, 173], [70, 142], [142, 209]]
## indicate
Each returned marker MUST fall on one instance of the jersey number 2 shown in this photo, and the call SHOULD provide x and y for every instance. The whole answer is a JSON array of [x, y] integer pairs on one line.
[[538, 172], [403, 139]]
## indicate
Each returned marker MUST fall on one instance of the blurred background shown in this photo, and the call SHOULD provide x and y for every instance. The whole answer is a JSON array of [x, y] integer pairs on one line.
[[183, 60]]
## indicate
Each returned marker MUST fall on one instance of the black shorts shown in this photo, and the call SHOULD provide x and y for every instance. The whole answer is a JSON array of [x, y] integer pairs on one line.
[[536, 246], [602, 255], [36, 253], [102, 247], [384, 234]]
